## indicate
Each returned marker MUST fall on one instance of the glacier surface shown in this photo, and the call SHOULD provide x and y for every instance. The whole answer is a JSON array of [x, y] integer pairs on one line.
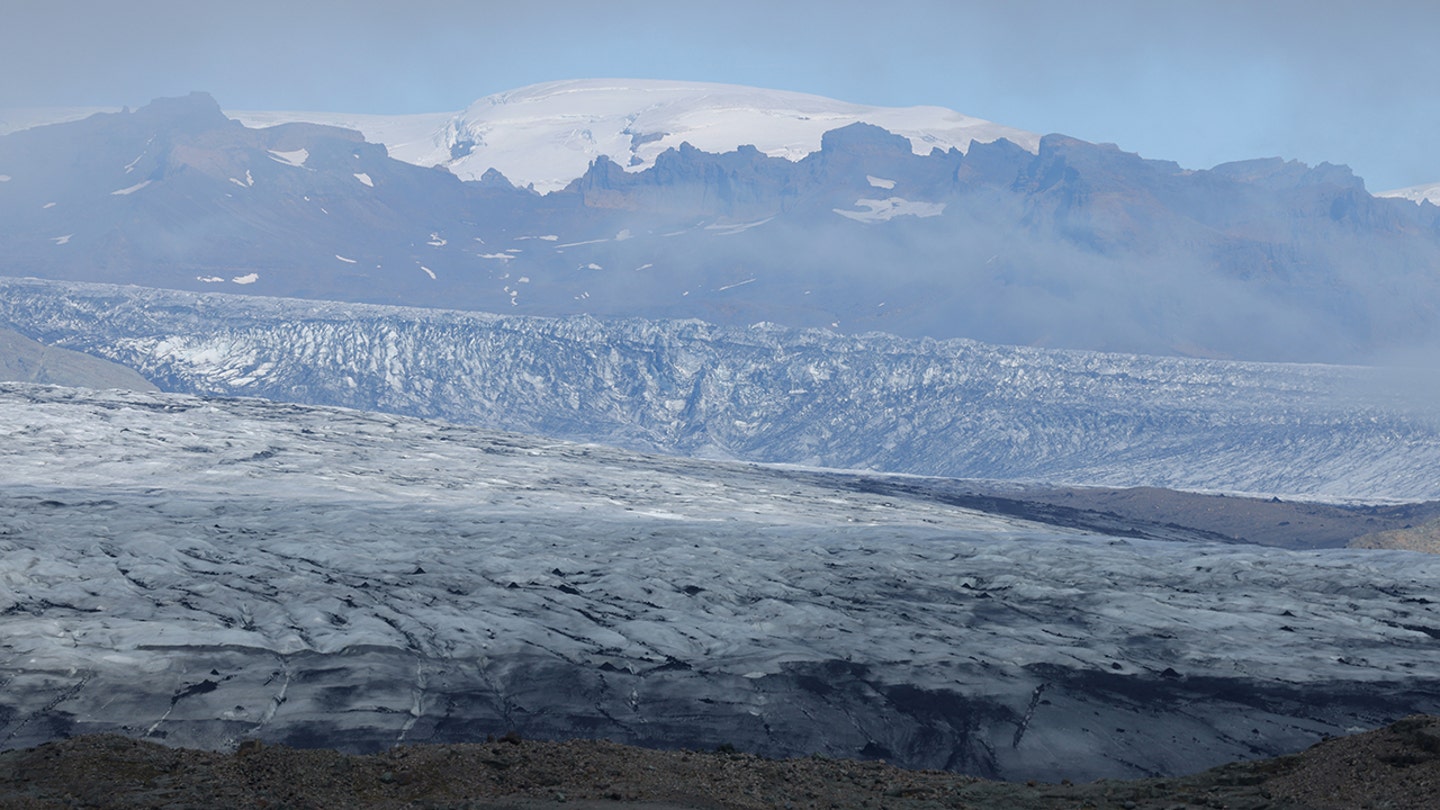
[[209, 570], [956, 408]]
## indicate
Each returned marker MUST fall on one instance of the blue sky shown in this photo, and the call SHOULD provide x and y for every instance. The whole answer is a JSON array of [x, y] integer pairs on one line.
[[1196, 82]]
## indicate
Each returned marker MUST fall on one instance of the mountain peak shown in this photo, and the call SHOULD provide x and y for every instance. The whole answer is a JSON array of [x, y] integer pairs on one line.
[[863, 137], [197, 111], [1277, 172]]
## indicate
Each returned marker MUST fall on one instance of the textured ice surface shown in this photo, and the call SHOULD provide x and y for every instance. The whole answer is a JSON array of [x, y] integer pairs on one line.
[[208, 570], [957, 408]]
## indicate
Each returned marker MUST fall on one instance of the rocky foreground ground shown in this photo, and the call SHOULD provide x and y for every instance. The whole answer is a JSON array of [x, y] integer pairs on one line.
[[1396, 767]]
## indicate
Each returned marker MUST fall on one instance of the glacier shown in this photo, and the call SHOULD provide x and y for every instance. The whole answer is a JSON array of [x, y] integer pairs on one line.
[[324, 539], [207, 570], [1075, 245], [766, 393]]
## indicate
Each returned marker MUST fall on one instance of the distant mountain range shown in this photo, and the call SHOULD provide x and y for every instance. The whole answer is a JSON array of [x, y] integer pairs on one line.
[[1049, 241], [547, 135]]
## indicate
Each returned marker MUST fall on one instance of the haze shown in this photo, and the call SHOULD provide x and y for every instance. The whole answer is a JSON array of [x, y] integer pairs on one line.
[[1197, 82]]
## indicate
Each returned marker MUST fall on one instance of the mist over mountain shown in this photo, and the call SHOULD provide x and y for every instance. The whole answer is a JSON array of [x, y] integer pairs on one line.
[[1075, 245]]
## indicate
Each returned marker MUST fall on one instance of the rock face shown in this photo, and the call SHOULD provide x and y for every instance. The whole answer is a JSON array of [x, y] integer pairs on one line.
[[955, 408], [207, 571], [1424, 538], [1077, 245], [24, 360]]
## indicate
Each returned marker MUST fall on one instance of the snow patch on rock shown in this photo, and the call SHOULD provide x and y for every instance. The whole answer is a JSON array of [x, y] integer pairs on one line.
[[295, 157], [131, 189], [888, 209]]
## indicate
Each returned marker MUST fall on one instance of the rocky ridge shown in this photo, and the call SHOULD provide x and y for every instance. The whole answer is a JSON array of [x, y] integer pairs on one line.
[[1073, 245]]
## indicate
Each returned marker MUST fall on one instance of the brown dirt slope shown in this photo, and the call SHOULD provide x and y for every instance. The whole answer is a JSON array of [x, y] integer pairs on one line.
[[1167, 514], [1425, 537], [1396, 767]]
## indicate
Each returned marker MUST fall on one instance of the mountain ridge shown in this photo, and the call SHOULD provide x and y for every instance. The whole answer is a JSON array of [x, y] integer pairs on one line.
[[546, 135], [429, 139], [1076, 246]]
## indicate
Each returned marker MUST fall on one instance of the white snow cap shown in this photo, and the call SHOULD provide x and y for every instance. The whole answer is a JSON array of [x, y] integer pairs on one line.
[[1422, 193], [548, 134]]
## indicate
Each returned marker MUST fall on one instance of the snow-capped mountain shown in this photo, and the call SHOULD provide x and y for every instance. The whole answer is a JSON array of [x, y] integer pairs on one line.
[[547, 135], [1428, 192], [1077, 245], [766, 393], [207, 571], [412, 138]]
